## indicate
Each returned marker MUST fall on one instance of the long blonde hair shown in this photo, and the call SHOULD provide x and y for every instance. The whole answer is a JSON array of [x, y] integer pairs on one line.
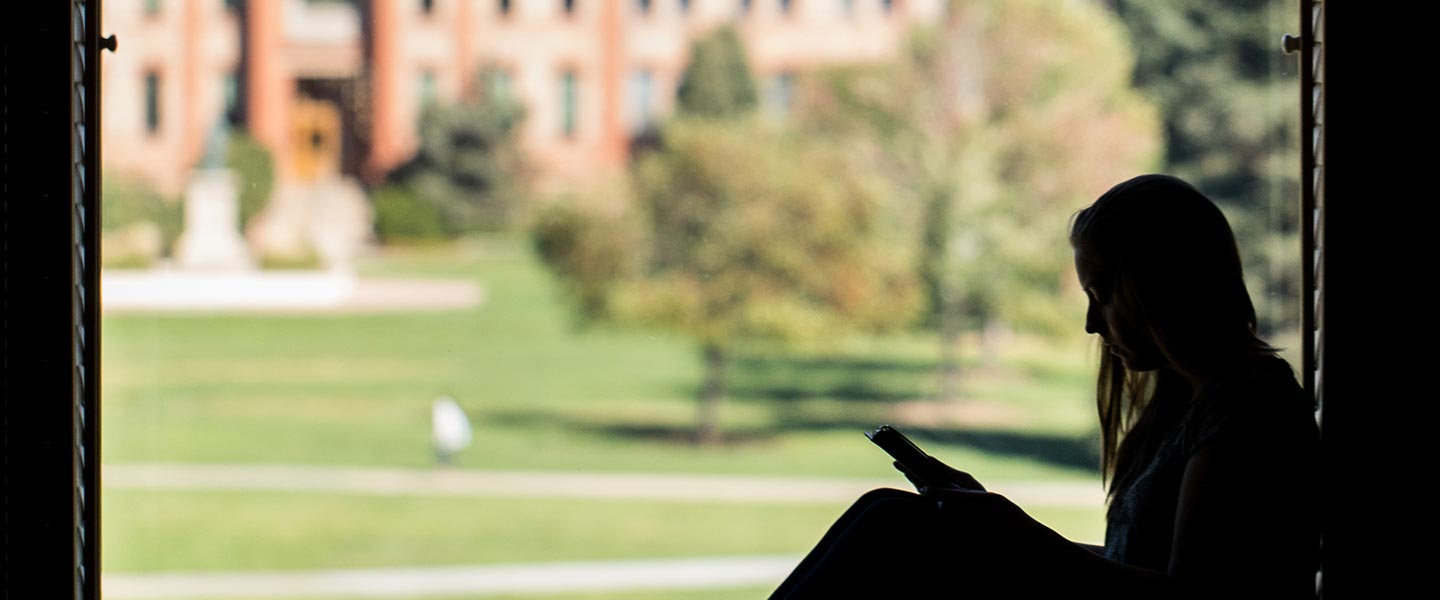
[[1169, 259]]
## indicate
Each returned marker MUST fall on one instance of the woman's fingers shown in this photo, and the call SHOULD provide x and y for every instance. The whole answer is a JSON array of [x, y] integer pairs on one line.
[[908, 475], [956, 477], [944, 475]]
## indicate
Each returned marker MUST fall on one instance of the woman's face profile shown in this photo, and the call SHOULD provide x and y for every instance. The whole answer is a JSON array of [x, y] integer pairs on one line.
[[1126, 338]]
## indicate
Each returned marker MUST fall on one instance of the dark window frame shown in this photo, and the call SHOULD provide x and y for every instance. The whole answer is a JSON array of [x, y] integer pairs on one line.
[[154, 101], [49, 272], [48, 257], [569, 103]]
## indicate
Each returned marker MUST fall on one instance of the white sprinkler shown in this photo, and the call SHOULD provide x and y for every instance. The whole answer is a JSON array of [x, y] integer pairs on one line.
[[450, 429]]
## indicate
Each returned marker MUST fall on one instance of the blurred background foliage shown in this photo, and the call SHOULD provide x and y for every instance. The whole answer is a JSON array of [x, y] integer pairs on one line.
[[931, 190], [736, 231], [139, 226], [469, 174], [255, 167], [902, 224], [992, 129], [1229, 102], [718, 81]]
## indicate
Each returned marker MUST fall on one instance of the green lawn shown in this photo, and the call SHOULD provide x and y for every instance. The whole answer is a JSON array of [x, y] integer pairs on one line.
[[356, 390], [153, 531]]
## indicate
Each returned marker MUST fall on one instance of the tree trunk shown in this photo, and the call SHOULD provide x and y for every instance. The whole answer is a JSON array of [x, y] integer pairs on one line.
[[993, 337], [708, 430], [950, 375]]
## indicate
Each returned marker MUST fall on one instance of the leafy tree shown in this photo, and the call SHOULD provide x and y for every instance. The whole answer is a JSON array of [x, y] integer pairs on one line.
[[469, 166], [737, 232], [1227, 96], [717, 82], [592, 249], [734, 231], [993, 128]]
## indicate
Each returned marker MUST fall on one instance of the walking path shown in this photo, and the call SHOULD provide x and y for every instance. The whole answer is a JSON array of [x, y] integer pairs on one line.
[[548, 484], [546, 578], [331, 291]]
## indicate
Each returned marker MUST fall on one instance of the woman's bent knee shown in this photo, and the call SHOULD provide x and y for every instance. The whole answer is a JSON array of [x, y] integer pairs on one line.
[[878, 494]]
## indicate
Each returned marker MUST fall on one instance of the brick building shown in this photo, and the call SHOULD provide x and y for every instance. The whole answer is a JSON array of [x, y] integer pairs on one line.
[[334, 87]]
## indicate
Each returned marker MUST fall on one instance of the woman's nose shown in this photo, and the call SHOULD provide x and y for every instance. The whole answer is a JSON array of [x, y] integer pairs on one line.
[[1093, 322]]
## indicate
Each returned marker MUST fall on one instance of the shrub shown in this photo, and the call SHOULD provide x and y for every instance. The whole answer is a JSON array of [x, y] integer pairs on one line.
[[469, 165], [403, 216], [131, 212], [304, 259], [254, 172]]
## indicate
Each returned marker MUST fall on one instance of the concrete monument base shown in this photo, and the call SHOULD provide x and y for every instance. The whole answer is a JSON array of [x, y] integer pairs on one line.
[[211, 240]]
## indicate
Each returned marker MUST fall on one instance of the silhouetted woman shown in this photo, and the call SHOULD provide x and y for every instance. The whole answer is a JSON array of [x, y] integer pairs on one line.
[[1208, 444]]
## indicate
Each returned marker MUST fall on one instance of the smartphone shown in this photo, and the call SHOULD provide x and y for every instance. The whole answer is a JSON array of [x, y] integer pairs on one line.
[[906, 453]]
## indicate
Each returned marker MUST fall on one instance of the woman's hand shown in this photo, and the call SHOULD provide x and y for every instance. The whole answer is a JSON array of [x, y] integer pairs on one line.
[[940, 476]]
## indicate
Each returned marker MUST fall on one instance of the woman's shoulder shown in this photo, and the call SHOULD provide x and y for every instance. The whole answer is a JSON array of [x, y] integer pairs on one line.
[[1263, 400]]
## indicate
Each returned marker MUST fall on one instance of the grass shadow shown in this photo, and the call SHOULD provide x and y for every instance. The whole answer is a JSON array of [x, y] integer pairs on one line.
[[755, 378], [662, 433], [1056, 450], [1064, 451]]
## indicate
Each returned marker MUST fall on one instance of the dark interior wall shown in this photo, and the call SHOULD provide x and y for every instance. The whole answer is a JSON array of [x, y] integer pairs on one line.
[[1379, 259], [36, 133]]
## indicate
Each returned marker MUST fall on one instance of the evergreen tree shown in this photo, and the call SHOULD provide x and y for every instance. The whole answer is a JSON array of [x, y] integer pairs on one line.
[[469, 167], [717, 83]]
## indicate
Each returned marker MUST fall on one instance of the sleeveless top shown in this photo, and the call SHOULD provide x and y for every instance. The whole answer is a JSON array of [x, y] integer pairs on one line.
[[1265, 407]]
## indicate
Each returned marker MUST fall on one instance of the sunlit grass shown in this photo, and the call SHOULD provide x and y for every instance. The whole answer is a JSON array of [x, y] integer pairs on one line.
[[544, 395], [156, 531], [355, 389]]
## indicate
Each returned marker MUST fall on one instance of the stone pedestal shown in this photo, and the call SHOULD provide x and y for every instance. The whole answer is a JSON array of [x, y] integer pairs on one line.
[[211, 239], [329, 219]]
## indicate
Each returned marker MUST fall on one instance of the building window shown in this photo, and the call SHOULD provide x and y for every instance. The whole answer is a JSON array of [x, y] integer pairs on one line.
[[152, 8], [569, 7], [642, 117], [498, 87], [779, 94], [427, 88], [569, 99], [504, 8], [152, 102], [232, 97], [427, 6]]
